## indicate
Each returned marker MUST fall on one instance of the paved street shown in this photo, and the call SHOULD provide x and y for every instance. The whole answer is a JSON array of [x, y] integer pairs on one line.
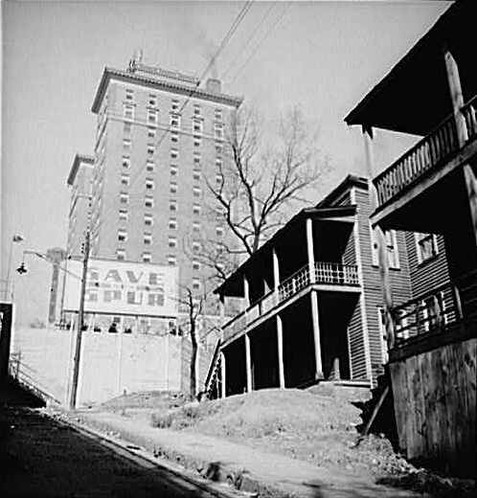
[[40, 457]]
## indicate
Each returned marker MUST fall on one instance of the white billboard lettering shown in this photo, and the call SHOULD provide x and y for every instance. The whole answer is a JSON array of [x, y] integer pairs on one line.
[[124, 288]]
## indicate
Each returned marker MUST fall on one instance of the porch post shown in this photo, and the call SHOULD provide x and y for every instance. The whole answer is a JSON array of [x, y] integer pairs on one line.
[[456, 95], [380, 239], [281, 366], [222, 315], [471, 186], [223, 378], [316, 334], [248, 363], [276, 270], [246, 291], [310, 249]]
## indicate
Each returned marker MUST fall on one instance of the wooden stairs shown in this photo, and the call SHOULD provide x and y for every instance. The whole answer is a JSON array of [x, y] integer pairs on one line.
[[212, 385]]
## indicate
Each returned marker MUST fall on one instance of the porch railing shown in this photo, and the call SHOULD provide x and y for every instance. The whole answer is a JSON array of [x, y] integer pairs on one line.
[[335, 274], [435, 311], [470, 117], [426, 154]]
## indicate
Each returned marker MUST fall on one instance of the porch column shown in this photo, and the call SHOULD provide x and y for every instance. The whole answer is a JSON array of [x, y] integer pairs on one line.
[[276, 270], [456, 96], [223, 378], [246, 291], [281, 366], [471, 187], [316, 334], [248, 363], [380, 239], [310, 249]]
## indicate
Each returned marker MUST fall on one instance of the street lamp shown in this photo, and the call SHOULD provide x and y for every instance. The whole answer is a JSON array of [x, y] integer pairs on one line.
[[8, 292]]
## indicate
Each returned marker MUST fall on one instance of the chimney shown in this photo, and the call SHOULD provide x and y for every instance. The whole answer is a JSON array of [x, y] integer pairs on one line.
[[213, 85]]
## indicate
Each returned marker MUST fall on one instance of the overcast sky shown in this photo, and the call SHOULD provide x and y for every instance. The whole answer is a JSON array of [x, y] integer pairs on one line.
[[321, 56]]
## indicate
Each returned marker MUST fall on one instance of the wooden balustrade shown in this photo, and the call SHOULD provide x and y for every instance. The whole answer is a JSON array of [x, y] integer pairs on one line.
[[324, 273], [436, 310]]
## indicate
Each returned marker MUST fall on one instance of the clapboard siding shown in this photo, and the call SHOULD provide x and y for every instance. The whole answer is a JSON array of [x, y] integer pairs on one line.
[[356, 345], [431, 273], [372, 287]]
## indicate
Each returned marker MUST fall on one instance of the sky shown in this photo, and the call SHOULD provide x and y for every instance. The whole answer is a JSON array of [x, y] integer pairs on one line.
[[320, 56]]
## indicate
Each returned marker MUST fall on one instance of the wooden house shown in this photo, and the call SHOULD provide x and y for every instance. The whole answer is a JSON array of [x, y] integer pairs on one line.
[[432, 190]]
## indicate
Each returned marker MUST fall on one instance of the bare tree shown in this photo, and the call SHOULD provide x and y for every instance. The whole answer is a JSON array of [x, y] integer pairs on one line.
[[256, 187]]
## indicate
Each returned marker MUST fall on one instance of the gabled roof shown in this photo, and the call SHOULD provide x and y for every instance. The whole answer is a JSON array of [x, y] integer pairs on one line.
[[161, 84], [414, 96], [77, 162]]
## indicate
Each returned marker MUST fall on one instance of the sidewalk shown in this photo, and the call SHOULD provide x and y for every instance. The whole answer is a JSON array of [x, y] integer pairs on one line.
[[248, 469]]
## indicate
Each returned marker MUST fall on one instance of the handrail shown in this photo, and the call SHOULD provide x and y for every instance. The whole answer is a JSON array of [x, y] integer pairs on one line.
[[213, 364]]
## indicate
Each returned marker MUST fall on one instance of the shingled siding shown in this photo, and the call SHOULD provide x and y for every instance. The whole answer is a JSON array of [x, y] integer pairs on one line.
[[429, 274], [372, 287]]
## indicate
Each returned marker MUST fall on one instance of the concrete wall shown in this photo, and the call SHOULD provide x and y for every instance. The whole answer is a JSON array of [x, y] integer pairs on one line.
[[110, 363]]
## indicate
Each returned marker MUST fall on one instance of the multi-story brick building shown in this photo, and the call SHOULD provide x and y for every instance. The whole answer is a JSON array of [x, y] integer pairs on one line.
[[159, 136]]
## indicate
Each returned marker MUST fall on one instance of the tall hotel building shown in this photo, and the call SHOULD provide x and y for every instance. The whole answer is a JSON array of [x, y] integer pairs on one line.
[[159, 135]]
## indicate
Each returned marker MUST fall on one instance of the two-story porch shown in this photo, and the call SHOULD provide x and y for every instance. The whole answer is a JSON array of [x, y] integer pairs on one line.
[[300, 306]]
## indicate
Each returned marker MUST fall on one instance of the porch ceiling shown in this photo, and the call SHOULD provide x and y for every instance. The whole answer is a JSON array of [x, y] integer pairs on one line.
[[414, 96]]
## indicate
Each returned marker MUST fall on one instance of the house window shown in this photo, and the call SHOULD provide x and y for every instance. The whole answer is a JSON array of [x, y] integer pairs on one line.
[[218, 114], [173, 224], [196, 191], [126, 162], [196, 283], [146, 257], [173, 169], [123, 214], [196, 159], [172, 242], [195, 265], [124, 180], [196, 246], [151, 132], [174, 153], [197, 141], [173, 188], [148, 219], [196, 109], [120, 254], [392, 250], [196, 208], [122, 235], [172, 205], [171, 260], [150, 165], [152, 100], [129, 93], [196, 175], [149, 202], [147, 238], [426, 246], [174, 136], [149, 183], [150, 149], [123, 198], [175, 105], [218, 131]]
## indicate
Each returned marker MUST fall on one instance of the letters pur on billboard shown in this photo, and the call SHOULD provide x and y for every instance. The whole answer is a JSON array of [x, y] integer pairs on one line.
[[121, 287]]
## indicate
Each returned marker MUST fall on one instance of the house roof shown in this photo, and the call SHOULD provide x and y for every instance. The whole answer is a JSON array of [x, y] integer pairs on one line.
[[414, 96], [161, 83], [77, 162]]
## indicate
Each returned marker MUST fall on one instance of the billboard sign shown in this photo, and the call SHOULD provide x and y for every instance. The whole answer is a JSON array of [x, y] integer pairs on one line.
[[123, 288]]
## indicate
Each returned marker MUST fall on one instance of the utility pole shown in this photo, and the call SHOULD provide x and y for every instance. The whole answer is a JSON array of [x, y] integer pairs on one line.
[[79, 331]]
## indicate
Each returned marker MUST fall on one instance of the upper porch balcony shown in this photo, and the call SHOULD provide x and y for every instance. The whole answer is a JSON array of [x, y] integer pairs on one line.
[[323, 276], [430, 93]]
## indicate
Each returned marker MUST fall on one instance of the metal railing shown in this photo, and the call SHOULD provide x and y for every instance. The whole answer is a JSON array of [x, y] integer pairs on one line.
[[436, 310], [323, 273]]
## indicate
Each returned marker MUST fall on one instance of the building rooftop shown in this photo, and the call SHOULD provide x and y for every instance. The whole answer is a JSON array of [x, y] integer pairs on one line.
[[414, 96], [161, 79]]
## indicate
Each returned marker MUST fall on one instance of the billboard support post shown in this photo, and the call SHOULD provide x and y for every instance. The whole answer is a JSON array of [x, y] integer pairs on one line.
[[79, 330]]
